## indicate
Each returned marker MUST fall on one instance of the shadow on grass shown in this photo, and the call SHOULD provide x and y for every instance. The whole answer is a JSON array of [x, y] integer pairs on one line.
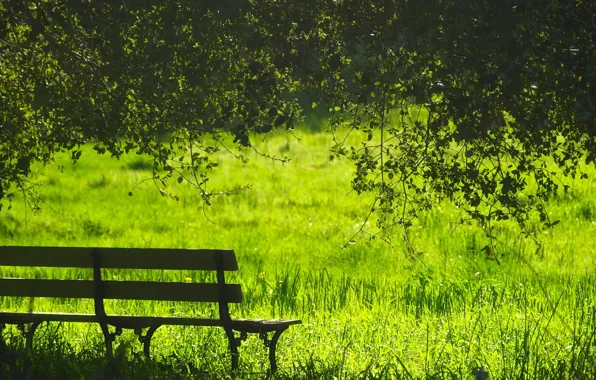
[[57, 359], [91, 364], [140, 164]]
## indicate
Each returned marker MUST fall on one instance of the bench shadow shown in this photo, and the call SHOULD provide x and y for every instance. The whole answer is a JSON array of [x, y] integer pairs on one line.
[[55, 358]]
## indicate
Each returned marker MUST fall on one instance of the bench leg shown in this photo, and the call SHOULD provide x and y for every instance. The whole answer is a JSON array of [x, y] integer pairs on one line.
[[30, 333], [146, 339], [108, 340], [272, 345], [233, 348], [2, 327]]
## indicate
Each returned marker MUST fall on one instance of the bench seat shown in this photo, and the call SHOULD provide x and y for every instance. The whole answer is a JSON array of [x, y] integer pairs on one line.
[[141, 322]]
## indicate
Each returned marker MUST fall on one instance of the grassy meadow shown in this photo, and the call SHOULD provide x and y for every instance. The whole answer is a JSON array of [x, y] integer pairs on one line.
[[369, 311]]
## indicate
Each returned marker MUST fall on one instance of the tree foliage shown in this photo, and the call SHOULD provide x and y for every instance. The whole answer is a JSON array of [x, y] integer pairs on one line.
[[486, 95], [462, 100], [156, 78]]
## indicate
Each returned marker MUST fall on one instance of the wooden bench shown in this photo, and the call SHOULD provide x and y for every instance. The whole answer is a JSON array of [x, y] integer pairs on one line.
[[98, 289]]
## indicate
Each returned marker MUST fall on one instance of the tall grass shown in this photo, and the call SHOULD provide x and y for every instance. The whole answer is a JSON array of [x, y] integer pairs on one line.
[[370, 311]]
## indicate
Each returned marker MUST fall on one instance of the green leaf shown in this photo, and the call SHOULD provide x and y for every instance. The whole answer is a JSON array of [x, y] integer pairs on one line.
[[280, 120], [264, 128], [24, 165]]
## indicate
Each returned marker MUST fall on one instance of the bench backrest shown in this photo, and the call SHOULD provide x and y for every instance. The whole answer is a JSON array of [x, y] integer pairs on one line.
[[122, 258]]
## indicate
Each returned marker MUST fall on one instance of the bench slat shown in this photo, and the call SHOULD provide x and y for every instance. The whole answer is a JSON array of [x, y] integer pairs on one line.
[[121, 290], [125, 258], [170, 291]]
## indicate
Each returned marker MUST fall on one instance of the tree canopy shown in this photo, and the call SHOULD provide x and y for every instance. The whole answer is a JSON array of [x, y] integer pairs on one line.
[[485, 103]]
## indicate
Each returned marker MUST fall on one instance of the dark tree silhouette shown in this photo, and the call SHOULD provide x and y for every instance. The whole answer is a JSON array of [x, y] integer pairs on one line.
[[484, 103]]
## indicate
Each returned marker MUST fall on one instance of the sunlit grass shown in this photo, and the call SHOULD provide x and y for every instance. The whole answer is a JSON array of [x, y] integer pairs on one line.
[[369, 311]]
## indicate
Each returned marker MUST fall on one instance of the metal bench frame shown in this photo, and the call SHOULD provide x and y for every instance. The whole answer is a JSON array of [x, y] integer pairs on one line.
[[99, 289]]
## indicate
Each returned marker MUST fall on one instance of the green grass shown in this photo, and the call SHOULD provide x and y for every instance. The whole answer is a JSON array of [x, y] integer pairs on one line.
[[369, 311]]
